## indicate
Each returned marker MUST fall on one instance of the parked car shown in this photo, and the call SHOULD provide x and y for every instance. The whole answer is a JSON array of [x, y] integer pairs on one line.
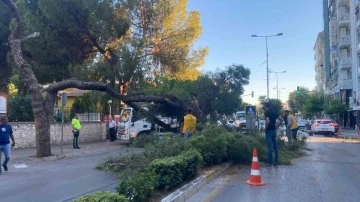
[[302, 123], [230, 123], [324, 126]]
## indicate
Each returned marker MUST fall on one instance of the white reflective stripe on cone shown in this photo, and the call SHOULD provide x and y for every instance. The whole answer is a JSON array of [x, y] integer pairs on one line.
[[255, 172], [255, 159]]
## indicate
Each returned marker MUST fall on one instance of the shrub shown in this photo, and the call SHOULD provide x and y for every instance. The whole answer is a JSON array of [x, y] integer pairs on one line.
[[212, 144], [173, 171], [143, 140], [140, 188], [168, 145], [103, 196]]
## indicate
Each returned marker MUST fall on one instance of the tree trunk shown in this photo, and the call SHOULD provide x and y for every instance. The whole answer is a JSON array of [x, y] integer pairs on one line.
[[42, 121]]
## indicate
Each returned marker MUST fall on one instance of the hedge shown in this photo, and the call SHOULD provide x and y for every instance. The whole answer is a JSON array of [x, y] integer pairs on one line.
[[140, 188], [173, 171], [103, 196]]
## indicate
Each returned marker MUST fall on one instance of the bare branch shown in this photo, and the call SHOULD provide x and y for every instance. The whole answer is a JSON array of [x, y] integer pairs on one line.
[[31, 36]]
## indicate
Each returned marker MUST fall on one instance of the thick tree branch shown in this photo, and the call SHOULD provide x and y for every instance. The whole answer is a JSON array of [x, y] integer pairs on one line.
[[74, 83], [31, 36]]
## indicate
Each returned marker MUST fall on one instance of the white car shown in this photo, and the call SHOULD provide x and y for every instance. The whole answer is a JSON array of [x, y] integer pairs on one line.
[[230, 123], [325, 126]]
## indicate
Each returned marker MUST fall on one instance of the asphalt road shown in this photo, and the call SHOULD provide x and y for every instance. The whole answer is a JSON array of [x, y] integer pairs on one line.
[[329, 173], [58, 181]]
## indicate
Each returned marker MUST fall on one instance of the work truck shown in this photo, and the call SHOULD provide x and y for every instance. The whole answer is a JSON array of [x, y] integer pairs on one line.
[[130, 127]]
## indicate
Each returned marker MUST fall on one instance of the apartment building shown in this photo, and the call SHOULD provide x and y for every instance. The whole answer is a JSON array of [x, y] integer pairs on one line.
[[344, 38], [319, 58]]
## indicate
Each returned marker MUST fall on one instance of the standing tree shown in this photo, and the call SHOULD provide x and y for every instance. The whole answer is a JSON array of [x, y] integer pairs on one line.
[[334, 107], [297, 100], [42, 100], [314, 105]]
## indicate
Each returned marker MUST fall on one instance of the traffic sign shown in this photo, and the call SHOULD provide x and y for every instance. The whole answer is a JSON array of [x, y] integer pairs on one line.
[[250, 110]]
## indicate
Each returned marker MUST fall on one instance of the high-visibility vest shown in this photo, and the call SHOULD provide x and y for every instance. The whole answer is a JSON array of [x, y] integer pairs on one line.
[[189, 124], [294, 124]]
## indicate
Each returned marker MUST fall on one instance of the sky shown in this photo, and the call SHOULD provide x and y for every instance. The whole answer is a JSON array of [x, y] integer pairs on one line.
[[227, 28]]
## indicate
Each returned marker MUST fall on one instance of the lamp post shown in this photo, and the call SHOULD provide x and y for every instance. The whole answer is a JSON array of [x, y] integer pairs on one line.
[[109, 102], [277, 81], [267, 58], [278, 92]]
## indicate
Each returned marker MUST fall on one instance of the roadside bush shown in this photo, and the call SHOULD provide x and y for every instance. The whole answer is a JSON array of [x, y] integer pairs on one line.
[[143, 140], [168, 145], [140, 188], [173, 171], [103, 196], [126, 166], [212, 144]]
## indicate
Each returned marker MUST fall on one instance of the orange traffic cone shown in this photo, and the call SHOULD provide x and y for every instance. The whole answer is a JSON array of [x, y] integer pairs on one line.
[[255, 178]]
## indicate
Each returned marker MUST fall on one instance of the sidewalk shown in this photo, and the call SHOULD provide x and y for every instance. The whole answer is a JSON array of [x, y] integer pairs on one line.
[[21, 156], [349, 134]]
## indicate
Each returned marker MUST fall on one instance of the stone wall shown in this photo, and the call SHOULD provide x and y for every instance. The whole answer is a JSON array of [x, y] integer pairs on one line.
[[24, 133]]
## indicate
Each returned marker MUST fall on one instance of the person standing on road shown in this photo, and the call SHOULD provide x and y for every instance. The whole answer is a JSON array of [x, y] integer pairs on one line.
[[270, 133], [287, 123], [6, 133], [188, 125], [112, 125], [76, 127], [293, 126]]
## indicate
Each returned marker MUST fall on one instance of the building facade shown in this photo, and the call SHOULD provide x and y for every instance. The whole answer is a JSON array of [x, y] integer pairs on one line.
[[319, 58], [344, 38]]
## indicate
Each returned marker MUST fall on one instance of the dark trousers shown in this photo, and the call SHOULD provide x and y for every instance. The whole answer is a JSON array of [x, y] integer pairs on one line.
[[272, 145], [76, 138], [294, 133], [112, 134]]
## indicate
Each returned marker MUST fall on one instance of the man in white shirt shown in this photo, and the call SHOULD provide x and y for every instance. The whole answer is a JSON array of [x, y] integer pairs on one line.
[[112, 125]]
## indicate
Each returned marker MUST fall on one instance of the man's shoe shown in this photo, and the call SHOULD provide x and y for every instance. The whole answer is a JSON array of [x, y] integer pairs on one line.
[[77, 147], [268, 165], [275, 165], [5, 168]]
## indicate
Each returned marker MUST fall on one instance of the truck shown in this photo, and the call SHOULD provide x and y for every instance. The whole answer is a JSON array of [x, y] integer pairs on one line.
[[129, 127]]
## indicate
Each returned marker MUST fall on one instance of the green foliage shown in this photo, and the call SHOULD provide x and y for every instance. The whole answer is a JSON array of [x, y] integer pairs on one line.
[[314, 105], [5, 70], [212, 144], [20, 108], [276, 105], [139, 188], [173, 171], [103, 196], [297, 101], [90, 25], [83, 104], [335, 106]]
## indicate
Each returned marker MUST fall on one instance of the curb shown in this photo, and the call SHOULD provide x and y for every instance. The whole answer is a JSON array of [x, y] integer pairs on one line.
[[190, 189], [348, 137]]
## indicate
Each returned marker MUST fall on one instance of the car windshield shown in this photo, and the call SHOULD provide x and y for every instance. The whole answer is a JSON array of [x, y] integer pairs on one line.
[[125, 115]]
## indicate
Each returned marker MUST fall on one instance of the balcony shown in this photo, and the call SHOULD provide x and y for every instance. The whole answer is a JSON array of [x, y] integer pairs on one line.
[[358, 48], [345, 63], [344, 19], [346, 84], [358, 25], [343, 3], [345, 42]]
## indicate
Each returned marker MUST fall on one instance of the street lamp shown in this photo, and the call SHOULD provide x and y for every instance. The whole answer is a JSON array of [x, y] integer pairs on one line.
[[278, 91], [277, 80], [109, 102], [267, 58]]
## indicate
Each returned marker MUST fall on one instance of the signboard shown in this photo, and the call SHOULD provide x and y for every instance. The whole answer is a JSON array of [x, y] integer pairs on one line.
[[3, 103], [250, 110]]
